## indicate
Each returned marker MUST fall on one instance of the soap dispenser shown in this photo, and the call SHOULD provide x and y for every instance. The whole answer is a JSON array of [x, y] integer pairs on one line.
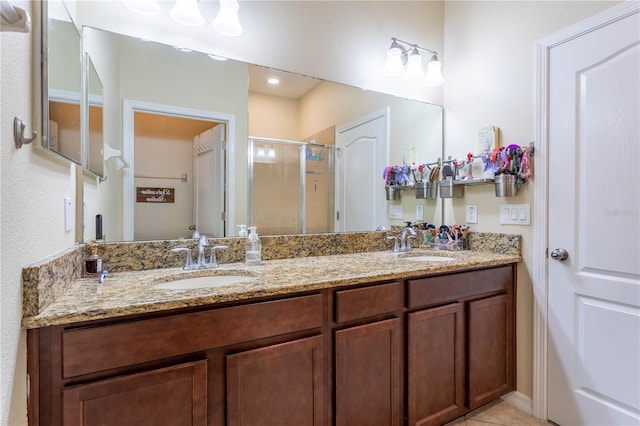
[[242, 232], [253, 248]]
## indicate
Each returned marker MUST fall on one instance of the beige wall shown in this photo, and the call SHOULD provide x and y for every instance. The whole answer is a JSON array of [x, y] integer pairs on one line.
[[33, 184], [273, 117], [489, 70]]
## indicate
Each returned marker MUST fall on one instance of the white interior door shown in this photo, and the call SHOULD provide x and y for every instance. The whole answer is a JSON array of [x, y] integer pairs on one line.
[[208, 169], [594, 193], [361, 155]]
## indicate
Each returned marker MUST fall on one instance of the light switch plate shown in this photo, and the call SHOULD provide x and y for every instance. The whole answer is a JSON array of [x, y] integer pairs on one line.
[[515, 214], [472, 214], [395, 212], [419, 212], [69, 216]]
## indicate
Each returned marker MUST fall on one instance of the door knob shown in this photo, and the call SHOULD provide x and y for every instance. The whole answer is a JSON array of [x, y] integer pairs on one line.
[[559, 254], [192, 228]]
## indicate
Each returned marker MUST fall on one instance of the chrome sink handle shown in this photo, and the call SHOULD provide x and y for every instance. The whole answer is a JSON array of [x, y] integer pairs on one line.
[[188, 262], [396, 247], [213, 262]]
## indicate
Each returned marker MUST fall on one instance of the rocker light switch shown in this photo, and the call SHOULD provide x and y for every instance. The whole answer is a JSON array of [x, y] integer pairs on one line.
[[515, 214]]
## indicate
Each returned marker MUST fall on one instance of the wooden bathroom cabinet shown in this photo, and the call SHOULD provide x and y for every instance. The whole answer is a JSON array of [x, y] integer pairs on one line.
[[419, 351]]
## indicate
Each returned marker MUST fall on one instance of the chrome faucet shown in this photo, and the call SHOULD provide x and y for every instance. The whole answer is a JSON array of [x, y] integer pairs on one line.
[[407, 235], [203, 241], [201, 261]]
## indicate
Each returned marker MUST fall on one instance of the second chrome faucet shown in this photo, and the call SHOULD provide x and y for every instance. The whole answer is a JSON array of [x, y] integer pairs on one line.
[[404, 242]]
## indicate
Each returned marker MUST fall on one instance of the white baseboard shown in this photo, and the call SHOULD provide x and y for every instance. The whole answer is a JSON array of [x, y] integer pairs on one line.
[[520, 401]]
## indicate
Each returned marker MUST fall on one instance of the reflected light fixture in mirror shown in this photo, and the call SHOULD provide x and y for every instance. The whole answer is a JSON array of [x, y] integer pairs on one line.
[[401, 62], [227, 22], [186, 12], [146, 7]]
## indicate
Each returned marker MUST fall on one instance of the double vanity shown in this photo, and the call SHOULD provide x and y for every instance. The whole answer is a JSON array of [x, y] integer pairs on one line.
[[359, 338]]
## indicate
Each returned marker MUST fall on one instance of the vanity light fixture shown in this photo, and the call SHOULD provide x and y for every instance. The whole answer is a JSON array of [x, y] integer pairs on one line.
[[187, 12], [146, 7], [407, 62], [227, 22]]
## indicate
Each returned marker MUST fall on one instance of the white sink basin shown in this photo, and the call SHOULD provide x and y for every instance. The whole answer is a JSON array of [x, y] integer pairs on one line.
[[429, 258], [212, 281]]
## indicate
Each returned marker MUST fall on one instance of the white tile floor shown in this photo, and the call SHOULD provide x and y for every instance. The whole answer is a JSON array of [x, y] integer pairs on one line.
[[497, 413]]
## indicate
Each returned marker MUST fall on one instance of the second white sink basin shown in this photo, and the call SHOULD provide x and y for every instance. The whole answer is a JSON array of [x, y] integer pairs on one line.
[[212, 281]]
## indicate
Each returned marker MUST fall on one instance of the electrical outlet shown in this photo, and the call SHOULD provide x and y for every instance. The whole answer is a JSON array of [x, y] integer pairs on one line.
[[395, 212], [419, 212], [472, 214]]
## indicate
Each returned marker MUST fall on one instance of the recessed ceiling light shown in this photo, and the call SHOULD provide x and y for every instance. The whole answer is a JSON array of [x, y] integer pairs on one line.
[[183, 49], [273, 81], [216, 57]]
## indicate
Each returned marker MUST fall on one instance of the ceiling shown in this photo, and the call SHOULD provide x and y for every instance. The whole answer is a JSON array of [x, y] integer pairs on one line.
[[291, 85]]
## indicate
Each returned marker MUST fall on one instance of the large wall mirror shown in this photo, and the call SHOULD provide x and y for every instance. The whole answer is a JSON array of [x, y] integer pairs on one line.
[[61, 118], [166, 109], [145, 80]]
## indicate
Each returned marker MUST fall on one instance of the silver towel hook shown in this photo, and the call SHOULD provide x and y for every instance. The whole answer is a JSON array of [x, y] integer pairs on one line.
[[18, 133]]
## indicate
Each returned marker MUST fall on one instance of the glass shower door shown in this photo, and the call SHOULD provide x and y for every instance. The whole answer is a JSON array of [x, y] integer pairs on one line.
[[291, 187], [276, 187]]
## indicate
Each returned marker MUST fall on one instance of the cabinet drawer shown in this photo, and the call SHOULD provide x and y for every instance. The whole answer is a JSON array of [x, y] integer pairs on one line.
[[453, 287], [368, 301], [91, 349]]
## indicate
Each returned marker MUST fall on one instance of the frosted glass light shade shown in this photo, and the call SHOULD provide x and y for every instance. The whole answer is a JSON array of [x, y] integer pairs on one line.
[[187, 12], [227, 22], [394, 65], [434, 73], [414, 71], [146, 7]]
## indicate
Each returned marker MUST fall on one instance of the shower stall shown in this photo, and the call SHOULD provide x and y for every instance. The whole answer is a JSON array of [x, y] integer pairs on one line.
[[291, 186]]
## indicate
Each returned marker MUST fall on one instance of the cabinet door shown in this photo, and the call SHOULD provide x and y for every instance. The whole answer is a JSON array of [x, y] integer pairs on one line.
[[436, 365], [368, 375], [277, 385], [169, 396], [491, 349]]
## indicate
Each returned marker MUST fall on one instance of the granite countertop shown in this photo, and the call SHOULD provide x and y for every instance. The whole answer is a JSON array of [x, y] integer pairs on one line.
[[127, 293]]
